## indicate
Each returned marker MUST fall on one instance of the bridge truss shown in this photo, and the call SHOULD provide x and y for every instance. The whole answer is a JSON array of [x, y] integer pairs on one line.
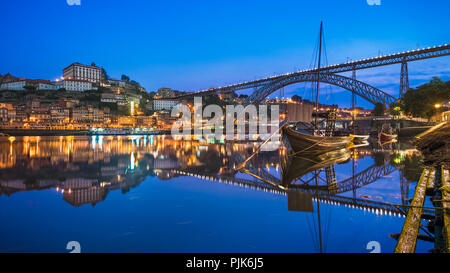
[[266, 86]]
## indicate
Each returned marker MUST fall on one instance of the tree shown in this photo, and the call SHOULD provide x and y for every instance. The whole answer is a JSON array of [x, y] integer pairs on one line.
[[125, 78], [296, 98], [379, 109], [30, 87], [396, 108], [421, 101], [105, 76]]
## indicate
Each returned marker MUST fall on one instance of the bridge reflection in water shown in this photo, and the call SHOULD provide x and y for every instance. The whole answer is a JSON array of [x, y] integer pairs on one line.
[[86, 169]]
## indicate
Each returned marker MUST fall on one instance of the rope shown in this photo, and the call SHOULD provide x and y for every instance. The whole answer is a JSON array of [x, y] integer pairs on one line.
[[260, 146], [308, 147]]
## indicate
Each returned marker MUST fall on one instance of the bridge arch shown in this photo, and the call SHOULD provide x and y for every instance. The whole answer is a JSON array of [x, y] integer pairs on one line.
[[364, 90]]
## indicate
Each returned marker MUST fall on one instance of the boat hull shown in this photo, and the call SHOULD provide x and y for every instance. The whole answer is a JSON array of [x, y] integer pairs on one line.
[[383, 137], [359, 138], [294, 167], [303, 143]]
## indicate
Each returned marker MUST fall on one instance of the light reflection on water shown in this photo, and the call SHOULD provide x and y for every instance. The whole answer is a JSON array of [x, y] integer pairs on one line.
[[154, 194]]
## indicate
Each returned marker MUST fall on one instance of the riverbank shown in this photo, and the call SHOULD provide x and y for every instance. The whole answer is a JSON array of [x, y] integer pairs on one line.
[[41, 132], [435, 144]]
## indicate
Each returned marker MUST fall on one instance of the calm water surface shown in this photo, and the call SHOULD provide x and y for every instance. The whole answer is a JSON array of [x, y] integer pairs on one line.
[[154, 194]]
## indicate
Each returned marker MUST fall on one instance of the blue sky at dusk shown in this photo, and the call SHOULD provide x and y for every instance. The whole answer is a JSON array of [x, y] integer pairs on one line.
[[191, 45]]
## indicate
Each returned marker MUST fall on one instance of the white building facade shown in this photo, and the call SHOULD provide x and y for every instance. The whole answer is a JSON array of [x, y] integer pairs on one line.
[[164, 104], [77, 71], [75, 85], [20, 85]]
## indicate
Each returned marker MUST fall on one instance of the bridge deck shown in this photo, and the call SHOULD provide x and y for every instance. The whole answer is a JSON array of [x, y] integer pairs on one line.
[[408, 56]]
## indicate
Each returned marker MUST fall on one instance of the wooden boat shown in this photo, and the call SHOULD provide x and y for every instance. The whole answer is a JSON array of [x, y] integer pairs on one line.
[[385, 137], [309, 144], [359, 138], [315, 143], [360, 144]]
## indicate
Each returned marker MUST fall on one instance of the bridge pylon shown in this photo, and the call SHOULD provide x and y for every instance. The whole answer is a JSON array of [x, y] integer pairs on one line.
[[353, 101], [404, 80]]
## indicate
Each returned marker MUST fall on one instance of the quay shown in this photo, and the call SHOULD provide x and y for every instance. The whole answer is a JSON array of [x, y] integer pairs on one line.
[[410, 231], [51, 132], [43, 132]]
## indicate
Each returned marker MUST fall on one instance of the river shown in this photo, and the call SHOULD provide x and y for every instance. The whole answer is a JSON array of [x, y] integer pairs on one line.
[[155, 194]]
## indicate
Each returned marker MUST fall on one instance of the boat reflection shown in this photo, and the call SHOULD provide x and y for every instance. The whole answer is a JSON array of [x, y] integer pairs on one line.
[[296, 166], [309, 182]]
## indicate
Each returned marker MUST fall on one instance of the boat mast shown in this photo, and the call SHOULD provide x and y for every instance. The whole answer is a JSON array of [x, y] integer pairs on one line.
[[316, 174], [318, 74]]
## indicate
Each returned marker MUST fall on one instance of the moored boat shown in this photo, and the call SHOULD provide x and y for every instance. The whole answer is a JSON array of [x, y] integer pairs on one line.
[[359, 138], [304, 143], [385, 137], [317, 140]]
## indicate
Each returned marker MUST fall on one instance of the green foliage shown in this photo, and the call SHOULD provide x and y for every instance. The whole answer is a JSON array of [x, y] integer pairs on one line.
[[412, 167], [30, 87], [104, 76], [112, 106], [296, 98], [396, 108], [125, 78], [90, 97], [379, 158], [420, 102], [379, 109], [52, 95], [213, 99], [102, 89]]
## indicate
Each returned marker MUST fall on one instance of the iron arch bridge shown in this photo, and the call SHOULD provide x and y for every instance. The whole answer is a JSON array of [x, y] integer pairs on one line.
[[364, 90], [267, 85]]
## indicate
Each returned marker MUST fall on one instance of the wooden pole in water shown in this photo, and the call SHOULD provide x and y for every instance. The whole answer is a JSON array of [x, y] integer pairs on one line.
[[446, 206], [408, 238]]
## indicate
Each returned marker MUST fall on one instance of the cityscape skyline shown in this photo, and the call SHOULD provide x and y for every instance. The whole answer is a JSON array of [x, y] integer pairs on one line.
[[159, 49], [198, 130]]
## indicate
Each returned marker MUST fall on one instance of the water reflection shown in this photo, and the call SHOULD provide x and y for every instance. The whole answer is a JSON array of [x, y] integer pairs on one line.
[[84, 170], [310, 180]]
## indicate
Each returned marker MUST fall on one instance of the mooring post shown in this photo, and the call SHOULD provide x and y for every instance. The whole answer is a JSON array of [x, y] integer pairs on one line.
[[408, 238], [445, 190]]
